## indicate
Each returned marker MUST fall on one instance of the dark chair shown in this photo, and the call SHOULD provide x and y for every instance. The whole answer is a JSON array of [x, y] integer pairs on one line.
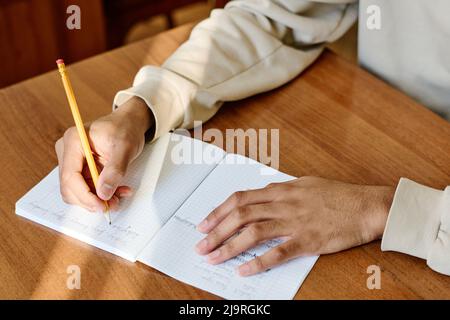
[[121, 15]]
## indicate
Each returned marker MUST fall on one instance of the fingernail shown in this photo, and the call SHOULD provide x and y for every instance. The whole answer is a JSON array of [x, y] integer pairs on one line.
[[203, 225], [125, 194], [244, 270], [106, 191], [107, 186], [202, 245], [213, 255]]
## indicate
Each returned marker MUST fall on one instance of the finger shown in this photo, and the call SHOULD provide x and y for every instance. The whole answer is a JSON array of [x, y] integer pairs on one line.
[[275, 256], [88, 178], [237, 199], [113, 173], [78, 193], [114, 203], [59, 149], [74, 188], [237, 219], [249, 238], [124, 192]]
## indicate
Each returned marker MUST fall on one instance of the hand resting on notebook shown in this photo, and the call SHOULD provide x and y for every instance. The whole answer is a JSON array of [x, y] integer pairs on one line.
[[318, 216], [116, 140]]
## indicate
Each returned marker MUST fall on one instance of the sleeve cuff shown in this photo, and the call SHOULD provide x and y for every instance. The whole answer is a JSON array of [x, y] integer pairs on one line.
[[439, 256], [161, 90], [414, 219]]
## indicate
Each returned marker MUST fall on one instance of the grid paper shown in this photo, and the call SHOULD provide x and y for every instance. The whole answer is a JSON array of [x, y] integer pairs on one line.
[[171, 251], [160, 185]]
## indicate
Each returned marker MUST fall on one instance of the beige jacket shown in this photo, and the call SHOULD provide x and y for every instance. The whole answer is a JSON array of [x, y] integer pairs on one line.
[[254, 46]]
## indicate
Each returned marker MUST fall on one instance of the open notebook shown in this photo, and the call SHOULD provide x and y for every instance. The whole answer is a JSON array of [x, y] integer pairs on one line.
[[177, 182]]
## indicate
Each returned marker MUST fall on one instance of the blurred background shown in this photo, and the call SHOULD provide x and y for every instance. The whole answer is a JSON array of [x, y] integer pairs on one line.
[[33, 33]]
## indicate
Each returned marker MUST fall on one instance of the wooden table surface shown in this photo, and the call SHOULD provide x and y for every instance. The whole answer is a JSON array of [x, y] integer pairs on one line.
[[335, 120]]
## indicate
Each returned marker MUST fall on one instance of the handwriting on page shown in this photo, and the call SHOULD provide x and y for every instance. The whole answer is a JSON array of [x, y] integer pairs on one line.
[[158, 193], [172, 250], [77, 218], [221, 275]]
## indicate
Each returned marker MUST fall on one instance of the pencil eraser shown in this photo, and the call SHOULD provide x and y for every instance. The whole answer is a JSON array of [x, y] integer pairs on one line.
[[59, 61]]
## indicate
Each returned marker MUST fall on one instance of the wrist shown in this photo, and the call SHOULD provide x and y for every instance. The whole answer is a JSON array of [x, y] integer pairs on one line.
[[136, 112], [380, 199], [383, 197]]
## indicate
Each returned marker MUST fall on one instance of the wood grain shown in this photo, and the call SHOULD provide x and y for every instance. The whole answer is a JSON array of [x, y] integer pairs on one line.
[[336, 121]]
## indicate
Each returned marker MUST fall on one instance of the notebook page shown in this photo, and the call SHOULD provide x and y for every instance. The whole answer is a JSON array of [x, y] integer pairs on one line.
[[171, 251], [161, 186]]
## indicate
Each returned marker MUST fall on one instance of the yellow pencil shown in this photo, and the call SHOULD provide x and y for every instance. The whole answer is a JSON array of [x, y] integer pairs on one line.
[[80, 127]]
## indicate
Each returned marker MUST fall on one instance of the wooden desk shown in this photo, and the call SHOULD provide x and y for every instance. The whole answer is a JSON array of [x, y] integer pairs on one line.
[[335, 121]]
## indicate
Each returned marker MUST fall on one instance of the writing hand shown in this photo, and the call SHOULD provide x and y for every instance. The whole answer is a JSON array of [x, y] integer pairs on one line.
[[116, 140], [317, 216]]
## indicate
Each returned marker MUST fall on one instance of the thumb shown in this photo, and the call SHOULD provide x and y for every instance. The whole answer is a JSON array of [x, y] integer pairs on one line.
[[111, 176]]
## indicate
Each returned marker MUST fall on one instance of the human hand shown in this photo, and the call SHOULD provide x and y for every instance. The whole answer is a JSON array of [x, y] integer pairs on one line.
[[116, 140], [317, 216]]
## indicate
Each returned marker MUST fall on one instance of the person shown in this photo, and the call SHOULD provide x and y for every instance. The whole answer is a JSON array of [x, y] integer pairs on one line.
[[254, 46]]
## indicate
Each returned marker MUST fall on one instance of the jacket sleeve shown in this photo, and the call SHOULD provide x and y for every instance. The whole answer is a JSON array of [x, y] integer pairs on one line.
[[249, 47], [419, 224]]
